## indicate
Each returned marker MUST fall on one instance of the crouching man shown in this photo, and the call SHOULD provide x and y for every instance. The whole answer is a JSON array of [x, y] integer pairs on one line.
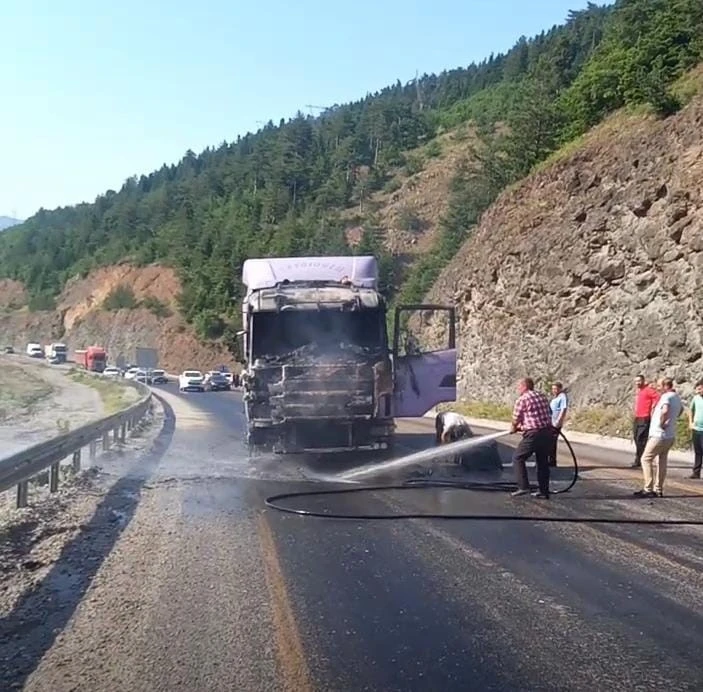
[[450, 427]]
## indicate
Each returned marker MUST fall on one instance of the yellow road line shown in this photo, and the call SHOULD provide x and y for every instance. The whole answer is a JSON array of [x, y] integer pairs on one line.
[[291, 655]]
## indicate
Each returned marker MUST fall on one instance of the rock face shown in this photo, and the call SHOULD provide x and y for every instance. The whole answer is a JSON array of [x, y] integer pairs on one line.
[[591, 271]]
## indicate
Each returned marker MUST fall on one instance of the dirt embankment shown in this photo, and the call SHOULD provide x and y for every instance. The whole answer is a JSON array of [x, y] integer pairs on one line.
[[37, 402], [591, 270], [81, 321]]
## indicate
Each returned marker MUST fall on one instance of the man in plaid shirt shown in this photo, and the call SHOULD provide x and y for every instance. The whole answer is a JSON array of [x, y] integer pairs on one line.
[[533, 417]]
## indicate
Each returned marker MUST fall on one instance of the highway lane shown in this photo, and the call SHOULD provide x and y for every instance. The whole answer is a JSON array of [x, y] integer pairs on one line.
[[203, 589]]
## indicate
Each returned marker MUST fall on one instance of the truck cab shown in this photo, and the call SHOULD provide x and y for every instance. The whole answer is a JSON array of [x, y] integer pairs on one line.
[[320, 375], [93, 358]]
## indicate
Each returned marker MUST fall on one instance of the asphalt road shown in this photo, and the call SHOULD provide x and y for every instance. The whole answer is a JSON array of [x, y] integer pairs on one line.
[[201, 588]]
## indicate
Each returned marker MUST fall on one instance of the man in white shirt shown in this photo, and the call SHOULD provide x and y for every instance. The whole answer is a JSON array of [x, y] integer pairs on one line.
[[450, 427], [662, 432], [559, 405]]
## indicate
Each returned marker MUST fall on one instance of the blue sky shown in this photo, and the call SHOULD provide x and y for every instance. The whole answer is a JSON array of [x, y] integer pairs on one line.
[[93, 92]]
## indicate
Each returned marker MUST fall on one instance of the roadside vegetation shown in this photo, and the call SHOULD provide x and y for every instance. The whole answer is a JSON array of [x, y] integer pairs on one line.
[[122, 297], [115, 395], [21, 392]]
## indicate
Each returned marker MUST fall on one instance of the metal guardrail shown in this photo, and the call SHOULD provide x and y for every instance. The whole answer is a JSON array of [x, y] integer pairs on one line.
[[19, 468]]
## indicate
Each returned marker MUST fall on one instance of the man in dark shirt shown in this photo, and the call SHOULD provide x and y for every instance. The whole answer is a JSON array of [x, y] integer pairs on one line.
[[532, 416], [646, 398]]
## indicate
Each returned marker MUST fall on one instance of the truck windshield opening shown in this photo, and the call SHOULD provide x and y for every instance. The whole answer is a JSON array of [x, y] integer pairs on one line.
[[277, 334]]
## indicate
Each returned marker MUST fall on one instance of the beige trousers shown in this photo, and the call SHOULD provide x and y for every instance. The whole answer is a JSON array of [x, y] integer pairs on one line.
[[654, 463]]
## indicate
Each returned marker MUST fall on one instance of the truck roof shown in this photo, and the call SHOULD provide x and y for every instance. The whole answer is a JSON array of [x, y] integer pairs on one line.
[[360, 270]]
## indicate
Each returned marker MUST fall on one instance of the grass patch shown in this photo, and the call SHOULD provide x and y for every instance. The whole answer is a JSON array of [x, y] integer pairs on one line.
[[609, 421], [120, 298], [156, 306], [21, 391], [115, 395], [689, 85], [480, 409]]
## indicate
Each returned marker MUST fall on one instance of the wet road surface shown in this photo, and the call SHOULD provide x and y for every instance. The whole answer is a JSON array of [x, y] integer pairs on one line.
[[202, 588]]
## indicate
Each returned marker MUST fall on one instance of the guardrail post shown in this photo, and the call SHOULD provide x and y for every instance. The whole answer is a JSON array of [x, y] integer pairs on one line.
[[77, 461], [54, 477], [46, 458], [22, 493]]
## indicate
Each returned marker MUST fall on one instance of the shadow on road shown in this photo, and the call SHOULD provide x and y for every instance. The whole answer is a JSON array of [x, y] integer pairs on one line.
[[40, 614]]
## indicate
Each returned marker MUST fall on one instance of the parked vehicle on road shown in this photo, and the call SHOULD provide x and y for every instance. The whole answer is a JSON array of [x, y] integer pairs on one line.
[[35, 350], [159, 377], [9, 350], [112, 372], [143, 376], [56, 352], [131, 373], [93, 358], [217, 382], [191, 381], [321, 375]]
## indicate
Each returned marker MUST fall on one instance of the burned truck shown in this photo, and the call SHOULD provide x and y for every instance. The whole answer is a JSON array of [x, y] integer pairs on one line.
[[319, 374]]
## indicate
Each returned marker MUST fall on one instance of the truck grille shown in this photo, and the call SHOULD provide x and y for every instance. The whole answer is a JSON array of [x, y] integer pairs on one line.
[[322, 391]]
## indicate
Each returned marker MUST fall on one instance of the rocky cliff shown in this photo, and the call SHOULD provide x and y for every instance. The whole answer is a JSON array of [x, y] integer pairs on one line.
[[591, 270]]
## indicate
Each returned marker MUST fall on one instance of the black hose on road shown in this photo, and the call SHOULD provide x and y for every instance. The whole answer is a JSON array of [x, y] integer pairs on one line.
[[274, 502]]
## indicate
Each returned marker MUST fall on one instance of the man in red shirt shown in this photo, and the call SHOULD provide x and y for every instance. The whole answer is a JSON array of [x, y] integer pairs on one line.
[[533, 417], [646, 398]]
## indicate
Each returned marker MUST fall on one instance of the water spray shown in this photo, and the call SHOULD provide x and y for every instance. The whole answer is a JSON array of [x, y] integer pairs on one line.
[[426, 455], [354, 476], [278, 502]]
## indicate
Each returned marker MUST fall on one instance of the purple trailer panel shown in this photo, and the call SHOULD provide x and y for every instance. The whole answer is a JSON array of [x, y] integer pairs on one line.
[[423, 381]]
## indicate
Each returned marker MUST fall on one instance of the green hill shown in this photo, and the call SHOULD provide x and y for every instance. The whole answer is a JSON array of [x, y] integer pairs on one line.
[[287, 189]]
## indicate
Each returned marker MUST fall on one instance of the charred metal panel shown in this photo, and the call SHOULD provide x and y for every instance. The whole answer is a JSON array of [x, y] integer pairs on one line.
[[322, 391]]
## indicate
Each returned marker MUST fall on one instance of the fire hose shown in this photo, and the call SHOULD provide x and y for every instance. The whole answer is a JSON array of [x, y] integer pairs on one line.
[[276, 501]]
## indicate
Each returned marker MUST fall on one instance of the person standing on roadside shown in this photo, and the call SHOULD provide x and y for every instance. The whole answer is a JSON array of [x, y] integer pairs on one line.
[[695, 425], [646, 398], [533, 417], [559, 406], [662, 433]]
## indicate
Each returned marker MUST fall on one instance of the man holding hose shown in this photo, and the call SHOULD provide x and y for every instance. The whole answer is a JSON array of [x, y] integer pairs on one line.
[[533, 417]]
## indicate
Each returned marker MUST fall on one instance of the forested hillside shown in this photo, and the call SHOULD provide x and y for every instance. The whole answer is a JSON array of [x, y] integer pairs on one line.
[[283, 190]]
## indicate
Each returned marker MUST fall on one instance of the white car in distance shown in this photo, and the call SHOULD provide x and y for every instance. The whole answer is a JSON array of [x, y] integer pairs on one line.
[[112, 372], [191, 380]]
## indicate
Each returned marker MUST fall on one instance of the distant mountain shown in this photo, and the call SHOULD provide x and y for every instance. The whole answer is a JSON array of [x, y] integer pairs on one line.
[[7, 221]]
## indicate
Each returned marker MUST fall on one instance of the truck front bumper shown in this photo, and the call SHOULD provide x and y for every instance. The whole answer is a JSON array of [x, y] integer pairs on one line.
[[321, 436]]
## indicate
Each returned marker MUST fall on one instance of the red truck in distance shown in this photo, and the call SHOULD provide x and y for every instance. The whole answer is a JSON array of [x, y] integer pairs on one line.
[[93, 358]]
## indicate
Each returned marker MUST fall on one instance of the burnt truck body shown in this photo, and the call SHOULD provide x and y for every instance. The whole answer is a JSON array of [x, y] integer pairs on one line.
[[319, 373]]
